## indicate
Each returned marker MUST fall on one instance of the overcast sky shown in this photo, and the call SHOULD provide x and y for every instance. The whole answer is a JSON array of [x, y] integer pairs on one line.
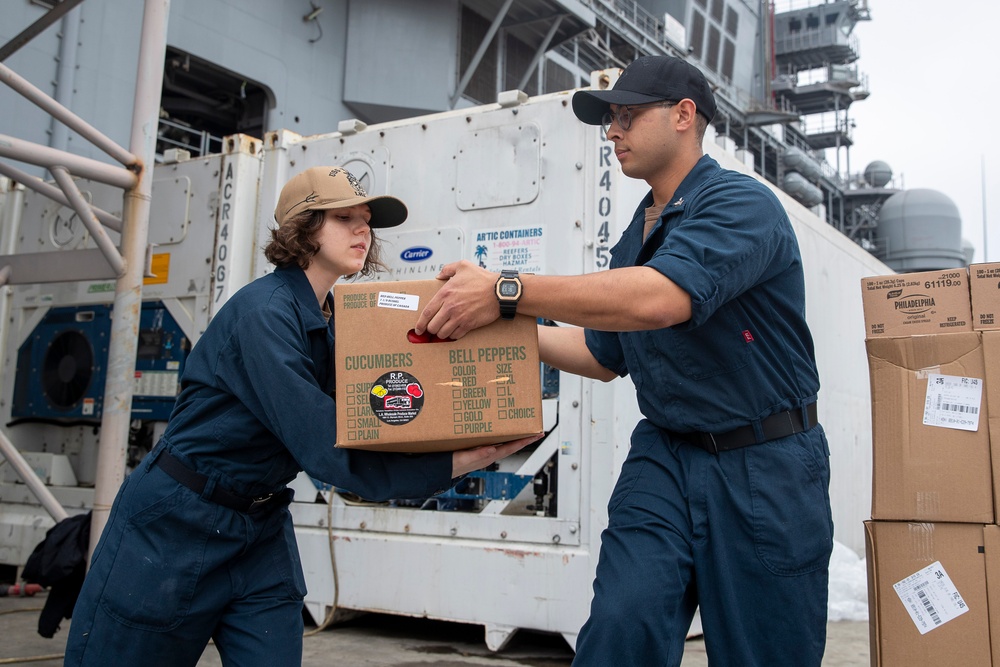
[[934, 109]]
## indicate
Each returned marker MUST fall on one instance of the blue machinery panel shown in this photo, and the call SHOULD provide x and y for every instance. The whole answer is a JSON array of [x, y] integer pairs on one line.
[[62, 365], [484, 485]]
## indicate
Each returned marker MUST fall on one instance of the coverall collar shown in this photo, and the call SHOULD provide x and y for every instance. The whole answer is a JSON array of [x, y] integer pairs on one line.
[[302, 290]]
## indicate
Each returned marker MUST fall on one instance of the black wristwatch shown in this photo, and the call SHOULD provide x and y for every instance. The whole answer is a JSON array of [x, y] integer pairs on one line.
[[508, 293]]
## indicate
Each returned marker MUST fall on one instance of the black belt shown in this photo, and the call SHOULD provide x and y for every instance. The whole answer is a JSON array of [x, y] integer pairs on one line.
[[778, 425], [197, 482]]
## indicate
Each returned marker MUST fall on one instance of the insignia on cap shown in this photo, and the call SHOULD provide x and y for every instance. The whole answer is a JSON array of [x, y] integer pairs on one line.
[[358, 190], [310, 198]]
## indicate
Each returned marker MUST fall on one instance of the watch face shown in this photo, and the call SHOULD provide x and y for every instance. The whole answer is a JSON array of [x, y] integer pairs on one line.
[[509, 289]]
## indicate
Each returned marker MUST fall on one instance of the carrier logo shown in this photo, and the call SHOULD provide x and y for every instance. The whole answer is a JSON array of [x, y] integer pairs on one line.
[[915, 303], [416, 254]]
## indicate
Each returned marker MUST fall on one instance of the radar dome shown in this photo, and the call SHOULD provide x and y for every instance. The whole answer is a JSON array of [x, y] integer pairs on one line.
[[920, 230], [878, 173], [969, 250]]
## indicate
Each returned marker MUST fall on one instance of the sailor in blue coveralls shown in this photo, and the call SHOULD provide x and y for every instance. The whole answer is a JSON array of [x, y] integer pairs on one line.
[[723, 501], [199, 544]]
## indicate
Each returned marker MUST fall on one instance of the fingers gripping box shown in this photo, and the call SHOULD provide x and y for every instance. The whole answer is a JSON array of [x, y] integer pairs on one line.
[[400, 392]]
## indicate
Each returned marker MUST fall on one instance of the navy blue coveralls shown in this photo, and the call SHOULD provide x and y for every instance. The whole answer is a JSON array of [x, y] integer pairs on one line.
[[745, 533], [175, 568]]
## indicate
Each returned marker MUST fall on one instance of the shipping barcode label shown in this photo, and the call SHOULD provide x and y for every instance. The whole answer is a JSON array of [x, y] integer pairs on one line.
[[930, 597], [953, 402], [398, 301]]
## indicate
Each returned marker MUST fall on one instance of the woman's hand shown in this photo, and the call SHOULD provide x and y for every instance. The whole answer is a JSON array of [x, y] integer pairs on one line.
[[466, 460]]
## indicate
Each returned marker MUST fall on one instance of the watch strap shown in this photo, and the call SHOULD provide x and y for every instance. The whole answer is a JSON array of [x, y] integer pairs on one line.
[[508, 307]]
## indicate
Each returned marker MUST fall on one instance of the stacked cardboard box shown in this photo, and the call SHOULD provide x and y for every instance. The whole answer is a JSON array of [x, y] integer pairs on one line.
[[984, 288], [400, 392], [927, 594], [935, 482]]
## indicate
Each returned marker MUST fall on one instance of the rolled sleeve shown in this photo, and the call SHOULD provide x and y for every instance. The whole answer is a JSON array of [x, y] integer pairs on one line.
[[722, 247], [607, 350]]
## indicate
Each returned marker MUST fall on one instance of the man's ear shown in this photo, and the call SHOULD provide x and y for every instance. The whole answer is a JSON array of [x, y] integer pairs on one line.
[[686, 114]]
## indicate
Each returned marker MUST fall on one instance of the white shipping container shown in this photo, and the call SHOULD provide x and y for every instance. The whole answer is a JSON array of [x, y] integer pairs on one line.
[[522, 185]]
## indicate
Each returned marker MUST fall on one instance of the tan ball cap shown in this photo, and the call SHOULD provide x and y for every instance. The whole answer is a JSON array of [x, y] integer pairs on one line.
[[322, 188]]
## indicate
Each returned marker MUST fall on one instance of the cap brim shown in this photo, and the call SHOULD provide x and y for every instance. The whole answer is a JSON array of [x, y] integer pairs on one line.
[[387, 211], [591, 105]]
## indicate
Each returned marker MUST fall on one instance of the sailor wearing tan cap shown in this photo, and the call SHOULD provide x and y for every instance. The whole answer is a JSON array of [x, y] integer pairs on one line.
[[200, 543]]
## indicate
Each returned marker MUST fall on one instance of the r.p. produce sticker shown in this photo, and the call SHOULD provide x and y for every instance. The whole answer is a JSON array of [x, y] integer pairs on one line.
[[396, 398]]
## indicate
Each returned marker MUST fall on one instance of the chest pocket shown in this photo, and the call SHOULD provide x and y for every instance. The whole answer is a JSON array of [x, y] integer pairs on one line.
[[715, 348]]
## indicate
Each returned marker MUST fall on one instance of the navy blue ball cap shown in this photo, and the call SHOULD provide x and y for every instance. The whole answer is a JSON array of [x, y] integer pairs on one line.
[[648, 79]]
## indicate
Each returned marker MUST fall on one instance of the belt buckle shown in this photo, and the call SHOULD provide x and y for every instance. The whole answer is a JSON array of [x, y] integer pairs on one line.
[[710, 444], [260, 501]]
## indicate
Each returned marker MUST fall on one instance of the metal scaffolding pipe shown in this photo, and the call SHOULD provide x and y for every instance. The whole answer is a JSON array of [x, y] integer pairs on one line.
[[480, 52], [36, 28], [123, 345], [540, 53], [64, 115], [55, 194], [10, 228], [79, 204], [69, 49], [43, 156], [57, 266], [4, 275], [31, 480]]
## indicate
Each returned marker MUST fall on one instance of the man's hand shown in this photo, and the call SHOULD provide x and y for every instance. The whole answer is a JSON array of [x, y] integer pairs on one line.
[[466, 460], [466, 302]]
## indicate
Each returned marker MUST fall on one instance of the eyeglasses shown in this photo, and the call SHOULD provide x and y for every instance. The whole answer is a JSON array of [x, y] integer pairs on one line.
[[624, 115]]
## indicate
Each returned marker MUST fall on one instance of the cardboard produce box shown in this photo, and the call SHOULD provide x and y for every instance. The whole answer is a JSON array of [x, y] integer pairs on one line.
[[912, 304], [991, 359], [927, 596], [399, 392], [984, 287], [930, 442], [991, 540]]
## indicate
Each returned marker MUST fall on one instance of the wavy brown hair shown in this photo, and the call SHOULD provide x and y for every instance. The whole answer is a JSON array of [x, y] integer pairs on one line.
[[295, 243]]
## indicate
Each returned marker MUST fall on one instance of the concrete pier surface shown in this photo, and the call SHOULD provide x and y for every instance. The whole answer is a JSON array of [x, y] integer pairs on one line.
[[379, 640]]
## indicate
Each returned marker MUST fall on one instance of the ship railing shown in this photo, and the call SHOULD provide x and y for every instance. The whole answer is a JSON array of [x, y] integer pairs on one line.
[[816, 38], [748, 103], [178, 135], [630, 14]]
